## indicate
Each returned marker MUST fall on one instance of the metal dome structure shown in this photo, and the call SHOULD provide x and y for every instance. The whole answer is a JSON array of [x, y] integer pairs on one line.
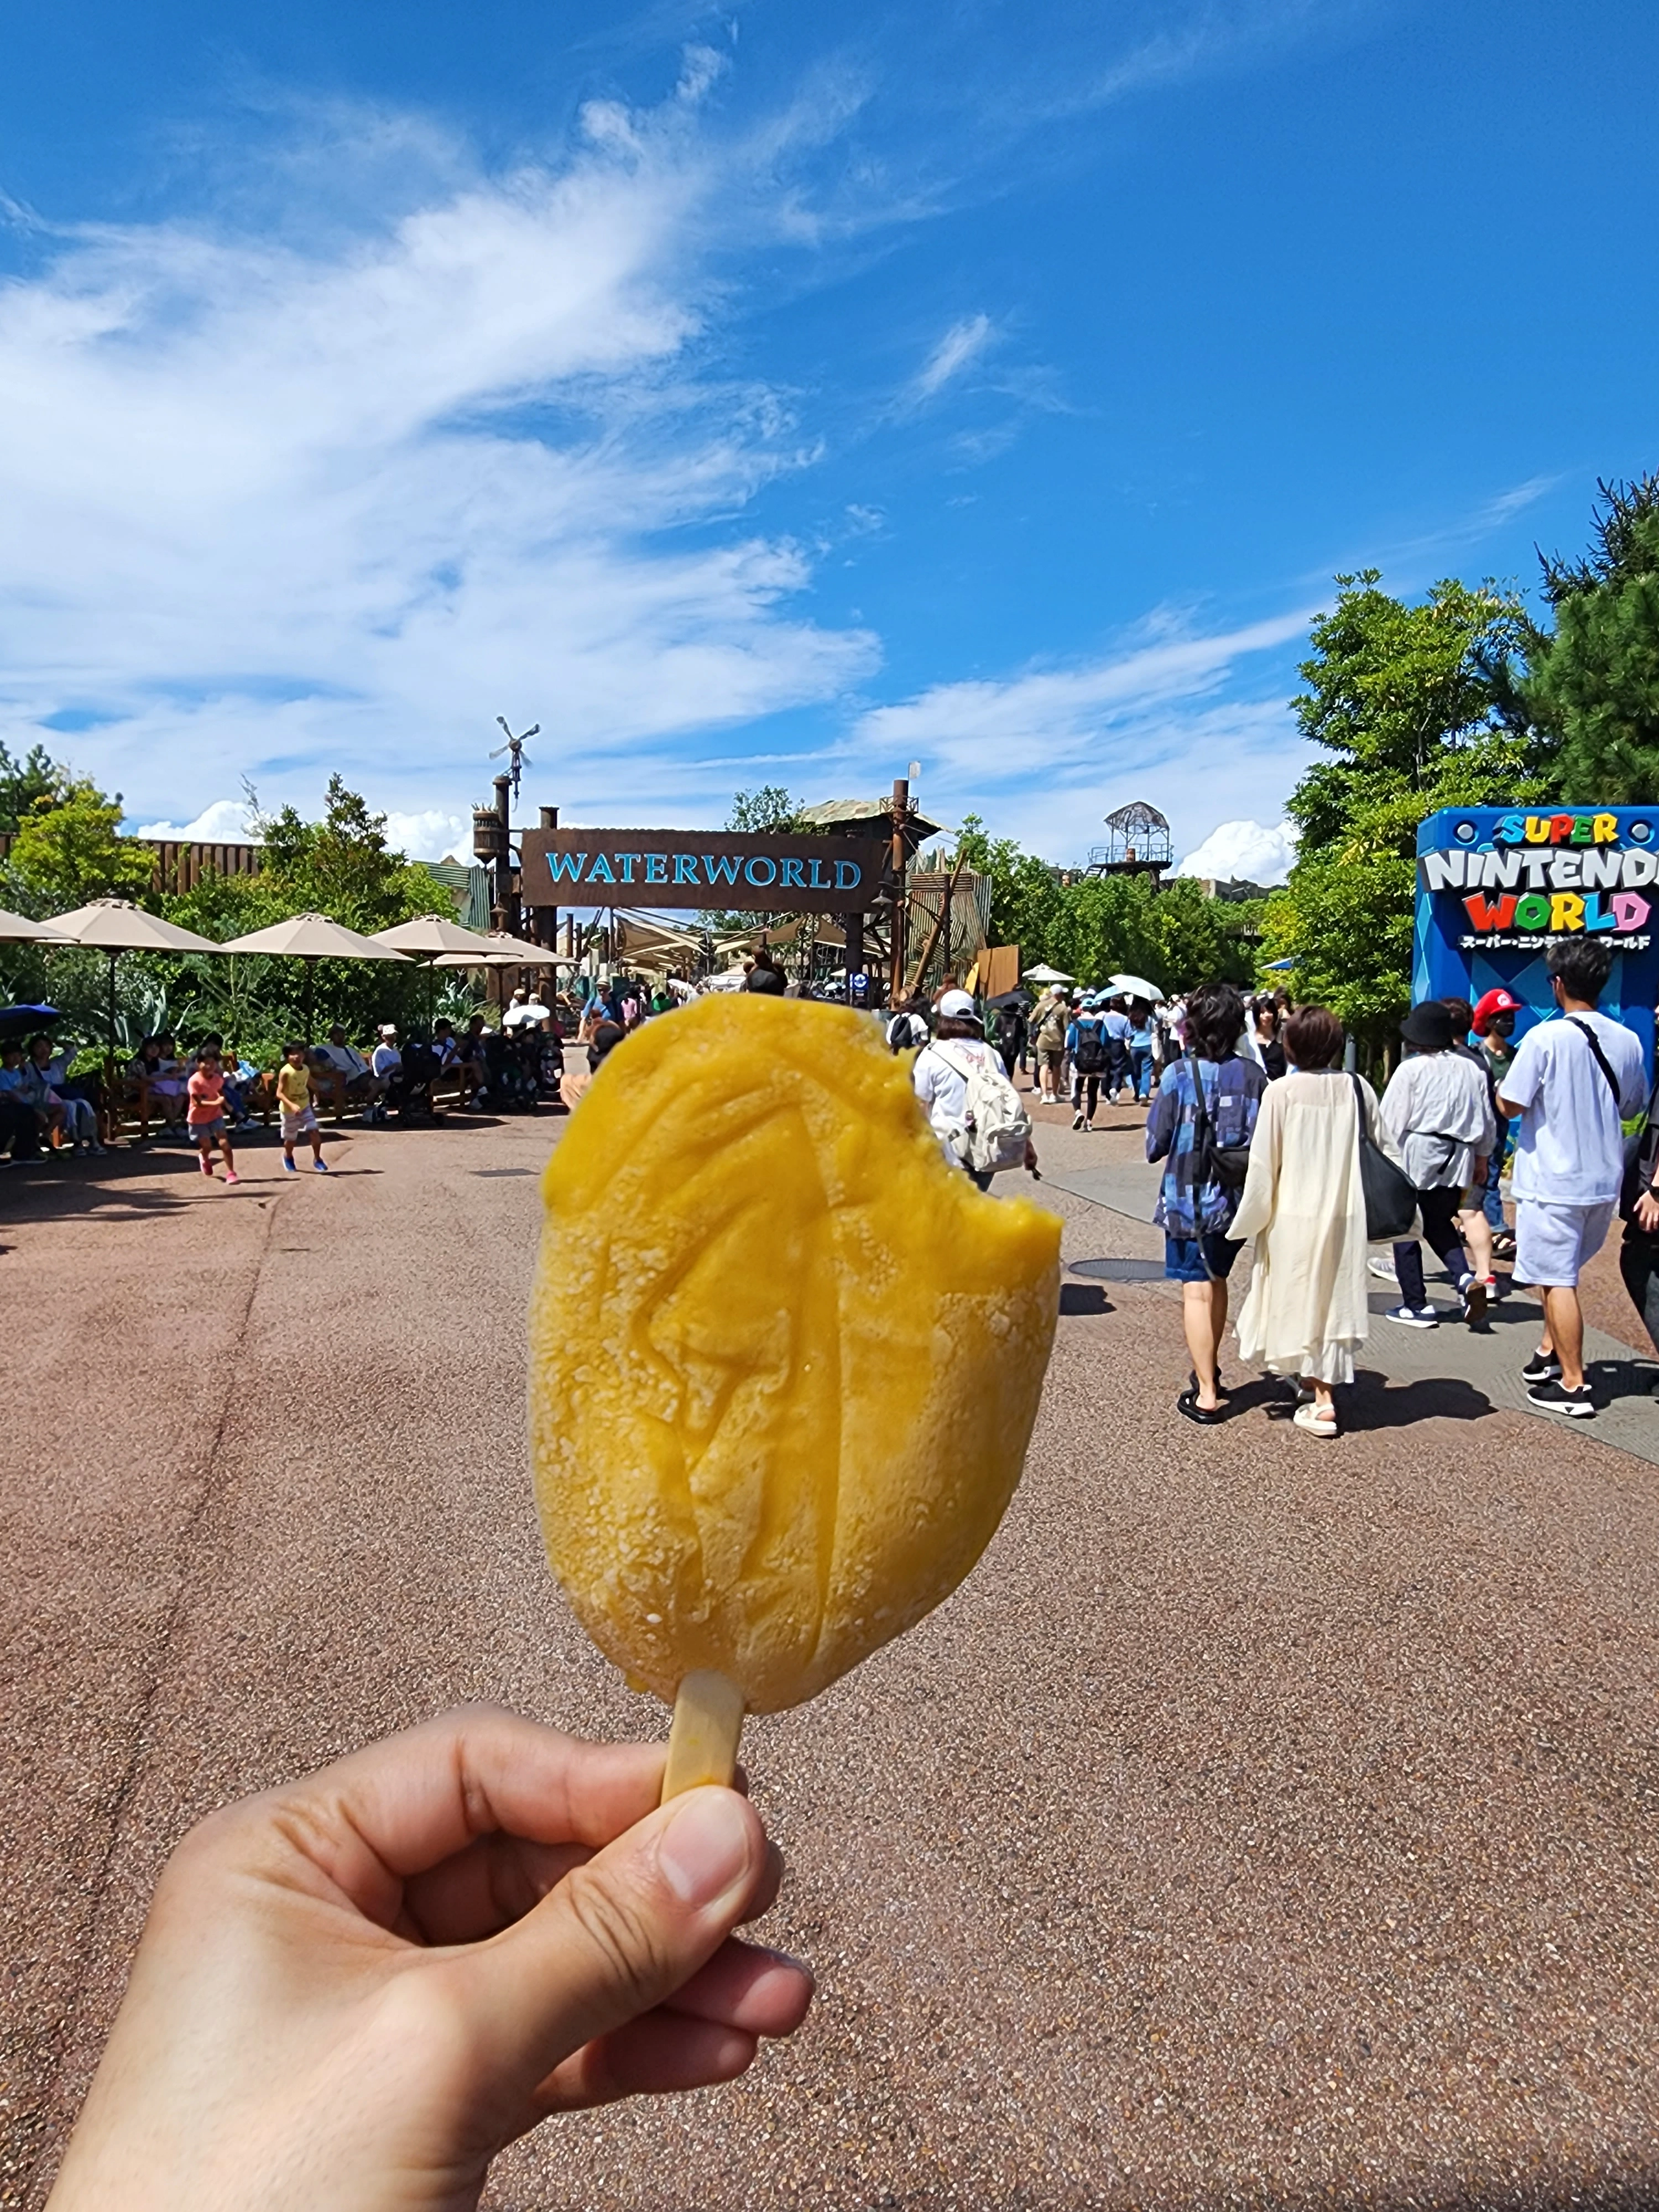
[[1138, 843]]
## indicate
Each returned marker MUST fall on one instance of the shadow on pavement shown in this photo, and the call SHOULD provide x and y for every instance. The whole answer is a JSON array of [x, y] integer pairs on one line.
[[1374, 1404], [1074, 1297], [1622, 1378]]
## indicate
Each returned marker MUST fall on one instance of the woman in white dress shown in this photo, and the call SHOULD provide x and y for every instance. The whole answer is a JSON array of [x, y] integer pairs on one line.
[[1306, 1313]]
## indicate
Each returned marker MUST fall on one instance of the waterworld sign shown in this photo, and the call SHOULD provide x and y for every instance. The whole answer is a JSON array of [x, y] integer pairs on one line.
[[1495, 887], [700, 868]]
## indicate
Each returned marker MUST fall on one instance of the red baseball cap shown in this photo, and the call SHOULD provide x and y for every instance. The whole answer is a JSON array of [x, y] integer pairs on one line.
[[1494, 1002]]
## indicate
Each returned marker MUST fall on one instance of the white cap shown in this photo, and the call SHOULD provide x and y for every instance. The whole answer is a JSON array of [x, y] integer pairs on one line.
[[388, 1028], [958, 1005]]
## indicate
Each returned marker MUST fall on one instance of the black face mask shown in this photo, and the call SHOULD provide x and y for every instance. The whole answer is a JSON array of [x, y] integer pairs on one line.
[[1502, 1025]]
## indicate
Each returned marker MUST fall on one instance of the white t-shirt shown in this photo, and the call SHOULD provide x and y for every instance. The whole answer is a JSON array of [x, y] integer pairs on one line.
[[941, 1088], [388, 1059], [1570, 1150]]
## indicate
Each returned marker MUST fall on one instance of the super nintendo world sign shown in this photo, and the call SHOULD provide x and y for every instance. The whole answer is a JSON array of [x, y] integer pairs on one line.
[[1519, 879], [698, 868]]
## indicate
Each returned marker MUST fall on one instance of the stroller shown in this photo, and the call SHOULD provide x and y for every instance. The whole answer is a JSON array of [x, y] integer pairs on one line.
[[511, 1070], [411, 1091]]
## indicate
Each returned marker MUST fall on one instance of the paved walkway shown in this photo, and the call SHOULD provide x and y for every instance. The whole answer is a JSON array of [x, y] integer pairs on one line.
[[1264, 1823]]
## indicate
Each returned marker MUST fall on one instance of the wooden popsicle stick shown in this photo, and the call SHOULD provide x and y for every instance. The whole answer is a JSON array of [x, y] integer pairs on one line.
[[702, 1743]]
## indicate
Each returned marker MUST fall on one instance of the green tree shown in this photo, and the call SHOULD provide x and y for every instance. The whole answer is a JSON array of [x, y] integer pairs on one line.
[[340, 866], [755, 811], [24, 782], [1093, 926], [1414, 704], [1594, 684], [343, 866], [68, 849], [1026, 896]]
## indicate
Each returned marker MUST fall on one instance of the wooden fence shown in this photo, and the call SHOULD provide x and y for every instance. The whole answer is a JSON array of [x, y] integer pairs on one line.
[[179, 866]]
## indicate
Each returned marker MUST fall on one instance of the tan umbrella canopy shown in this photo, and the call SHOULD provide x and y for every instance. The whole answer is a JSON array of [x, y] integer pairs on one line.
[[310, 938], [113, 925], [429, 934], [504, 951], [116, 925], [18, 929]]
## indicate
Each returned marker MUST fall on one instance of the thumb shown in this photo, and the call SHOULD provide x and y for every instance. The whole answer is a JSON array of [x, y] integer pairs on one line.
[[617, 1936]]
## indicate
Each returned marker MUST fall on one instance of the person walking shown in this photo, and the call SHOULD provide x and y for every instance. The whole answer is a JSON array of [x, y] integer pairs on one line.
[[1573, 1082], [907, 1029], [1264, 1034], [1048, 1028], [1472, 1226], [1009, 1035], [1119, 1031], [299, 1116], [1202, 1124], [1492, 1027], [1638, 1254], [1086, 1049], [939, 1078], [1142, 1033], [1306, 1313], [1438, 1113], [208, 1125]]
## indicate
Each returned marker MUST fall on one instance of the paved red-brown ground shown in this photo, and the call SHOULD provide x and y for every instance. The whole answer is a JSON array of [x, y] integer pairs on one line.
[[1265, 1823]]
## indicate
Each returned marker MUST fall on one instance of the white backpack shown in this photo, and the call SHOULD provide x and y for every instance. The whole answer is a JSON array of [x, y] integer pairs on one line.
[[995, 1128]]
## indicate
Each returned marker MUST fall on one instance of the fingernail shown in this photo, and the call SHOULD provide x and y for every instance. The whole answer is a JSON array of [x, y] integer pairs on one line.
[[705, 1847]]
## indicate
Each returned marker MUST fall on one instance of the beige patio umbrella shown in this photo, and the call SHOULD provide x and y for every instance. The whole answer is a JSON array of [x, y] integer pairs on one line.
[[505, 952], [18, 929], [310, 938], [116, 925], [427, 936]]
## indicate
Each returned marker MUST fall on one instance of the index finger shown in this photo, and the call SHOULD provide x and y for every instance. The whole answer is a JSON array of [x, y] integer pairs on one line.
[[400, 1807]]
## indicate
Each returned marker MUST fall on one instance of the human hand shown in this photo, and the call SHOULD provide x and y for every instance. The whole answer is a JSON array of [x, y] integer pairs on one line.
[[353, 1990], [1647, 1214]]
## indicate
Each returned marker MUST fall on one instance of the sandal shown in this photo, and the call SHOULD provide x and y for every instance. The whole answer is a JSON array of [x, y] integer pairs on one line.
[[1205, 1416], [1318, 1420]]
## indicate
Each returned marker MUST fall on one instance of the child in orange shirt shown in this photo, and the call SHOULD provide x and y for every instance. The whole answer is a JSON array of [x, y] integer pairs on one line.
[[206, 1114]]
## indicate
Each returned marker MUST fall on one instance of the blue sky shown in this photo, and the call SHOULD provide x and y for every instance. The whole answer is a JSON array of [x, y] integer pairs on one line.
[[785, 394]]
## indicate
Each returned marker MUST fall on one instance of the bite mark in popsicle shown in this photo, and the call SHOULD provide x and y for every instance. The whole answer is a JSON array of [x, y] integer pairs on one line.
[[785, 1360]]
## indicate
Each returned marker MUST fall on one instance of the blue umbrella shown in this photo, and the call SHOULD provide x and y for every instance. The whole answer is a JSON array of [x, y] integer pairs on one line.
[[29, 1018]]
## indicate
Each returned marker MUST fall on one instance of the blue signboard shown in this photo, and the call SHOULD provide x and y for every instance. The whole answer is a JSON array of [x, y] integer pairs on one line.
[[1497, 886]]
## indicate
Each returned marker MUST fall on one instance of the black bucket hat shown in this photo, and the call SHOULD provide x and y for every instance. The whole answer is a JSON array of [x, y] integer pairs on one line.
[[1429, 1027]]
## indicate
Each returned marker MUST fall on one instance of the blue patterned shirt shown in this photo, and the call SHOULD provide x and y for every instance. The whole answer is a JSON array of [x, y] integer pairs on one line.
[[1232, 1092]]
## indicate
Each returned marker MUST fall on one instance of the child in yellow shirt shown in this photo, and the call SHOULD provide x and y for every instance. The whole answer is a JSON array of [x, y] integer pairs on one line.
[[299, 1116]]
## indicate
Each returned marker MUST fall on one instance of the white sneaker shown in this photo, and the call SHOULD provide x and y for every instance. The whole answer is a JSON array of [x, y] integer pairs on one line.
[[1413, 1316], [1382, 1269], [1077, 1121]]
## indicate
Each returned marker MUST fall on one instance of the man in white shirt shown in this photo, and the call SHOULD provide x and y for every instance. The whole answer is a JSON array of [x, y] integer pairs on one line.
[[343, 1074], [1573, 1083]]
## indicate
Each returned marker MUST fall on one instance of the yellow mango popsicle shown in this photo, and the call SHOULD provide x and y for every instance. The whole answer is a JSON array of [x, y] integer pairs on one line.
[[784, 1359]]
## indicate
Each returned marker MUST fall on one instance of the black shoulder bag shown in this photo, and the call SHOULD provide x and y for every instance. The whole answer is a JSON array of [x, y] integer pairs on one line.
[[1390, 1194]]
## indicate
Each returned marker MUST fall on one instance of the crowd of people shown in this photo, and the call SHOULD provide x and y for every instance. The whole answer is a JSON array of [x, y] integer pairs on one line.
[[1264, 1139]]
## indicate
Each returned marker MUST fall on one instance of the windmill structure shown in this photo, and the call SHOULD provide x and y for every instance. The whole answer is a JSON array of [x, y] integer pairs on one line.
[[518, 761]]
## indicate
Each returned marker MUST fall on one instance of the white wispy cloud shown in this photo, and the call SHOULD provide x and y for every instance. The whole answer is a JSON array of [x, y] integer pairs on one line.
[[962, 344], [1056, 748], [275, 508]]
